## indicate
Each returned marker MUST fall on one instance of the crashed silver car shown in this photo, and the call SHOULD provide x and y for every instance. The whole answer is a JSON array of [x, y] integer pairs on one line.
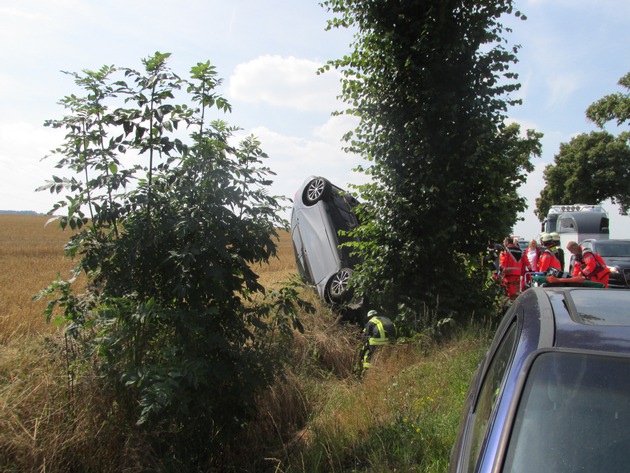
[[320, 211]]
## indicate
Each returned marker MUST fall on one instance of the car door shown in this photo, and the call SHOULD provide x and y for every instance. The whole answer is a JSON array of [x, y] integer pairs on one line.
[[303, 267], [480, 407]]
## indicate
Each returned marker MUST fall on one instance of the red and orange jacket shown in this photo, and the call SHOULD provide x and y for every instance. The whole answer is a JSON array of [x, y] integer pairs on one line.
[[592, 267], [548, 260], [513, 262]]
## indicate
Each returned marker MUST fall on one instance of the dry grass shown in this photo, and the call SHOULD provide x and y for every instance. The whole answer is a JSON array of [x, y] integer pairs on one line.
[[44, 422], [280, 268], [31, 256], [319, 417]]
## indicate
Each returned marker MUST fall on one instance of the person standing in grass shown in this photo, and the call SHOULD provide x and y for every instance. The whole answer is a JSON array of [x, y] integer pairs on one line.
[[548, 262], [512, 265], [379, 330]]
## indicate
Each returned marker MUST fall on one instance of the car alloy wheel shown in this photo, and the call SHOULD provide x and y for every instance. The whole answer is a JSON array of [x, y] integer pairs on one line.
[[338, 288], [316, 190]]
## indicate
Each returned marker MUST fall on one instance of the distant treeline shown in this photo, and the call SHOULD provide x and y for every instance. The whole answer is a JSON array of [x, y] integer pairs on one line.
[[19, 212]]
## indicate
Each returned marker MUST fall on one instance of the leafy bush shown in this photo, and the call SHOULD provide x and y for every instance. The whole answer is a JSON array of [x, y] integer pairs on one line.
[[173, 316]]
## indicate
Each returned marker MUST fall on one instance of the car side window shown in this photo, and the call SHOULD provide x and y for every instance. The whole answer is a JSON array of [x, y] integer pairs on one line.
[[489, 392]]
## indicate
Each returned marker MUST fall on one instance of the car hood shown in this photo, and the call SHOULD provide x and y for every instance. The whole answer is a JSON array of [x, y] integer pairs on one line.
[[618, 261]]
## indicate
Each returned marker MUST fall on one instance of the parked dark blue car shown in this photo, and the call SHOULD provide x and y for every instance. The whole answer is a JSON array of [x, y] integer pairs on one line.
[[553, 392]]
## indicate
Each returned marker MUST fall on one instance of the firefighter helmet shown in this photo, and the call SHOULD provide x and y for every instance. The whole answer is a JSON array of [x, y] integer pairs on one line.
[[546, 239]]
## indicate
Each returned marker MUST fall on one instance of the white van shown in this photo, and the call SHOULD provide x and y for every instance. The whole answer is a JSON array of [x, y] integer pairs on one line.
[[577, 222]]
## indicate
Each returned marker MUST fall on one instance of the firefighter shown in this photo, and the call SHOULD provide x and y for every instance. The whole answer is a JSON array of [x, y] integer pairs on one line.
[[549, 263], [379, 330], [511, 266], [555, 237], [588, 265]]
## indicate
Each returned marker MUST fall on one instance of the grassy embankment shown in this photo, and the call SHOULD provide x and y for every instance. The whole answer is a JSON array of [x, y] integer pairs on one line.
[[400, 417]]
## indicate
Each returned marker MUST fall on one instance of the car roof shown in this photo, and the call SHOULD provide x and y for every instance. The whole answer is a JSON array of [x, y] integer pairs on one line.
[[594, 321], [584, 318], [608, 241]]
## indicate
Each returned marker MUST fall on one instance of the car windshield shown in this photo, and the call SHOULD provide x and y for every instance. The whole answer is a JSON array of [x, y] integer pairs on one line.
[[618, 248], [574, 416]]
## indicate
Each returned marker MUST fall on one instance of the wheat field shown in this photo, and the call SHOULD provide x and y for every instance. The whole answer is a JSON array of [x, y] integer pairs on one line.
[[32, 256], [315, 418]]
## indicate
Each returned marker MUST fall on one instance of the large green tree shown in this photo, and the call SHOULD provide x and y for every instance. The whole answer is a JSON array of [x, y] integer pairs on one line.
[[612, 107], [171, 214], [431, 84], [589, 169], [593, 167]]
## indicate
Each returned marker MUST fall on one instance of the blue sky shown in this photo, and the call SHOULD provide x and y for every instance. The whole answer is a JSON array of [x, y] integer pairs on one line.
[[267, 51]]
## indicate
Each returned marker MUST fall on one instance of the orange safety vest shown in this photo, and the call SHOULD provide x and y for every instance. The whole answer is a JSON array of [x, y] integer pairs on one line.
[[548, 260], [511, 267]]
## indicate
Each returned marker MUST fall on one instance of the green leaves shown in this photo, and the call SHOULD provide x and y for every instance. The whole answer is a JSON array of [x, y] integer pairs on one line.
[[591, 168], [167, 229], [431, 83], [612, 107]]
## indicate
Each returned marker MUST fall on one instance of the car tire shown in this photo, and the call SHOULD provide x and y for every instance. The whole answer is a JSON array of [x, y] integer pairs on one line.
[[316, 190], [338, 285]]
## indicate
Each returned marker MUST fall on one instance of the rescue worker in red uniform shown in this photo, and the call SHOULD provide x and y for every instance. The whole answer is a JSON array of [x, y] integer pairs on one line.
[[512, 266], [548, 262], [588, 265]]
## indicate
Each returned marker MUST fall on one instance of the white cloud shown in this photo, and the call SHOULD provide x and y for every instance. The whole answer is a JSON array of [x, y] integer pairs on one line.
[[288, 82], [22, 147], [17, 14], [530, 226], [337, 126], [562, 87], [294, 158]]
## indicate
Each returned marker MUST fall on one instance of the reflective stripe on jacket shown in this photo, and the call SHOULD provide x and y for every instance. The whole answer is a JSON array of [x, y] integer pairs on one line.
[[548, 260], [511, 267], [593, 267], [380, 330]]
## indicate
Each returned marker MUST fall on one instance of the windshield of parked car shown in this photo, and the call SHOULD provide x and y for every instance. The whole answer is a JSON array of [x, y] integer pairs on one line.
[[614, 249], [574, 416]]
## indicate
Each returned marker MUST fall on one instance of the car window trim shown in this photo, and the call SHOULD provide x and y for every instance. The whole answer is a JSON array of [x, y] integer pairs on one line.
[[517, 323], [509, 322], [547, 324]]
